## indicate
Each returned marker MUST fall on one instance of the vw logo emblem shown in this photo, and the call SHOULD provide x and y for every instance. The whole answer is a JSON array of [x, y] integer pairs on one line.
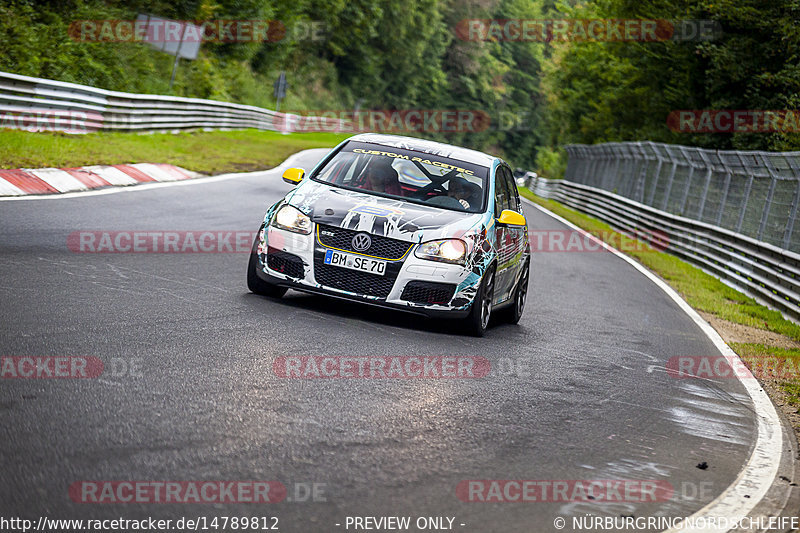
[[361, 242]]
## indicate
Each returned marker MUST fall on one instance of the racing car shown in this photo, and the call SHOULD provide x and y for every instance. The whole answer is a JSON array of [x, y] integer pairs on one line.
[[404, 223]]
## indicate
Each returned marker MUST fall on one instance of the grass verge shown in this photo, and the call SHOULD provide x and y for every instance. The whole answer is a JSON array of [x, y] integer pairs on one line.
[[208, 152], [727, 309]]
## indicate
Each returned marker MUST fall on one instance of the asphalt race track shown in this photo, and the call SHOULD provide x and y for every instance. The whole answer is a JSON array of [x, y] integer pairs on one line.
[[577, 391]]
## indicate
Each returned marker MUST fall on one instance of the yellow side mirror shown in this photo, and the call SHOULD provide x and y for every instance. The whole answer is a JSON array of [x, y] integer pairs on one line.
[[293, 175], [511, 218]]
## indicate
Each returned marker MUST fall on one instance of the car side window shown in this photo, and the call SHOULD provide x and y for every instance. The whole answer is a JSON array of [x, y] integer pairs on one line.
[[500, 193], [513, 194]]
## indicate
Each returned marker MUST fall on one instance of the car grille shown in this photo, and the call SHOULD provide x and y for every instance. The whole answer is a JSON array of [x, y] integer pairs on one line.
[[285, 263], [428, 292], [353, 281], [382, 247]]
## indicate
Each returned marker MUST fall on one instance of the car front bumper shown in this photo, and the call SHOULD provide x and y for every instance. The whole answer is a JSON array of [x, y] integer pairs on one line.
[[297, 271]]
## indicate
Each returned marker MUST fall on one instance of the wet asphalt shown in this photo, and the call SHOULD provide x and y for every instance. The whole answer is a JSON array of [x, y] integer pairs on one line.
[[577, 391]]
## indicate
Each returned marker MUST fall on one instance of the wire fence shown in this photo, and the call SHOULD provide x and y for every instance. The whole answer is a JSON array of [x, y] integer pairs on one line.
[[768, 273], [751, 193]]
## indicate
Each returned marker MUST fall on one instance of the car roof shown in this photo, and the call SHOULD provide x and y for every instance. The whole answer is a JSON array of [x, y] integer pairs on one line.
[[428, 147]]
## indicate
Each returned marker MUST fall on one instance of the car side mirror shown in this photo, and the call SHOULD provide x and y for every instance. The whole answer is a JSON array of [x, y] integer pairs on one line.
[[511, 218], [293, 176]]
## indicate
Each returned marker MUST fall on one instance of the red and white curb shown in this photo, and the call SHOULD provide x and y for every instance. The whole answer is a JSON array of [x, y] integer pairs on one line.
[[23, 181]]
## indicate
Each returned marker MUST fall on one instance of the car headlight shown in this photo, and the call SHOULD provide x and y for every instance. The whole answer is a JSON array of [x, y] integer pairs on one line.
[[292, 219], [446, 251]]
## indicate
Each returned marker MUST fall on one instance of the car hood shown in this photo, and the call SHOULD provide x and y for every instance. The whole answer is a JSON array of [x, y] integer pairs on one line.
[[394, 218]]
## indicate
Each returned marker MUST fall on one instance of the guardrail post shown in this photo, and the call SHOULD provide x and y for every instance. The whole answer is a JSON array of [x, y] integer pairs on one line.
[[654, 184], [582, 166], [603, 154], [570, 162], [770, 193], [633, 168], [641, 178], [617, 162], [580, 162], [747, 188], [657, 177], [685, 195], [624, 167], [574, 163], [639, 165], [787, 234], [724, 199], [670, 180], [591, 163], [709, 171], [579, 174]]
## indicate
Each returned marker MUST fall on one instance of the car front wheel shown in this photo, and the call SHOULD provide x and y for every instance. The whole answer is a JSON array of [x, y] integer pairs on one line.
[[256, 284], [478, 319], [520, 296]]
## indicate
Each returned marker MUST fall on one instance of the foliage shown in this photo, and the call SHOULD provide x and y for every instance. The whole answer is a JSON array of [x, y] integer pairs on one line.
[[406, 54], [624, 91]]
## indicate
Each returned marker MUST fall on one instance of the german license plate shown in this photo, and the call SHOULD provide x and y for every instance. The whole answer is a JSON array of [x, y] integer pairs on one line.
[[355, 262]]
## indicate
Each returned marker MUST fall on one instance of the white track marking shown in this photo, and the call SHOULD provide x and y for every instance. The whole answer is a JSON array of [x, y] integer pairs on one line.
[[154, 171], [111, 174], [7, 188], [154, 185], [758, 475], [61, 180]]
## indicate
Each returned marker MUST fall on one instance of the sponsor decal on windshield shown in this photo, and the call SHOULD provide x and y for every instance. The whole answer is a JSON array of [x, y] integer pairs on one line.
[[415, 158]]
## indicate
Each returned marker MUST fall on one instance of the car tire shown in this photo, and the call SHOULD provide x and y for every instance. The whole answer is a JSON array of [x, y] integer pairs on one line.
[[256, 284], [516, 309], [478, 319]]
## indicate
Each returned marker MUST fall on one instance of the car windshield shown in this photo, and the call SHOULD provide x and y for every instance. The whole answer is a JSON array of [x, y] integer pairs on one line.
[[411, 176]]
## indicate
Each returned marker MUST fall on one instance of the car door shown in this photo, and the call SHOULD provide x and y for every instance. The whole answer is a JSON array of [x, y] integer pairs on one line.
[[516, 236], [502, 236]]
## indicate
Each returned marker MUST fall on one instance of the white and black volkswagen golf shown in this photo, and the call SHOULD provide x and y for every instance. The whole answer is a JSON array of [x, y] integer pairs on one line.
[[403, 223]]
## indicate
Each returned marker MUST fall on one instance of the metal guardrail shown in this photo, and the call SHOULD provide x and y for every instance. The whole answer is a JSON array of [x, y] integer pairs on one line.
[[755, 194], [764, 271], [40, 104]]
